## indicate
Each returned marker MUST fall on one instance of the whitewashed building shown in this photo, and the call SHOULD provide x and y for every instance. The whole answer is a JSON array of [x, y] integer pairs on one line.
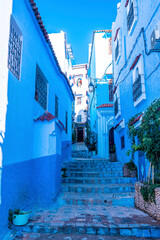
[[63, 51], [79, 83], [101, 97]]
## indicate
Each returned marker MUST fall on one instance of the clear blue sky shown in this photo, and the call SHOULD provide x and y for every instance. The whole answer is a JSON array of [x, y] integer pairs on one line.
[[78, 18]]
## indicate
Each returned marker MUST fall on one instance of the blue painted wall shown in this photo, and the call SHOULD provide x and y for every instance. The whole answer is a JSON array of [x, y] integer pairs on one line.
[[132, 45], [26, 179]]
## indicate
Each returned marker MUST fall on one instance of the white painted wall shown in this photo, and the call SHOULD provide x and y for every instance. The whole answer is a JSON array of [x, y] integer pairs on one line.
[[79, 70], [59, 43]]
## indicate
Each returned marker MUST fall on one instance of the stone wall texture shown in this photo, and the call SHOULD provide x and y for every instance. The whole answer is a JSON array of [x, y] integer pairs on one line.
[[153, 209]]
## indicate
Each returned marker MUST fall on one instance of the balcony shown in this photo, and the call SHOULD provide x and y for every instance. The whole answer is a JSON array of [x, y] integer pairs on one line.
[[137, 88], [130, 17], [116, 107]]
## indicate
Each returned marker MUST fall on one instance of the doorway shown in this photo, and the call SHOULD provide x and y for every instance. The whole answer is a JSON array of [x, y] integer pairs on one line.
[[80, 134], [111, 141]]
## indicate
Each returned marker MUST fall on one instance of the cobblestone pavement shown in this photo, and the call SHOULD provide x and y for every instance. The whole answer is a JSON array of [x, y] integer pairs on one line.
[[41, 236]]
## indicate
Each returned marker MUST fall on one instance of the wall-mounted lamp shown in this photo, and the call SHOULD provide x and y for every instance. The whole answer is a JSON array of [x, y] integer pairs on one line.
[[91, 87]]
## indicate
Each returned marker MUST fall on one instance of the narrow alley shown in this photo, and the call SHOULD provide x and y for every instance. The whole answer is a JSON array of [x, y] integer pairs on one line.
[[80, 120], [96, 202]]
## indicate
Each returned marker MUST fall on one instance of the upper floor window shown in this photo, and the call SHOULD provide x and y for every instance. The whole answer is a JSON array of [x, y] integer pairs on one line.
[[132, 14], [117, 106], [138, 87], [118, 45], [15, 49], [56, 106], [79, 100], [41, 88], [111, 92], [79, 118], [66, 122], [122, 142], [110, 46]]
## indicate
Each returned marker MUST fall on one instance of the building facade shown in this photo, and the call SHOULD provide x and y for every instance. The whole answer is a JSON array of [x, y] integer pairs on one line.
[[64, 55], [136, 56], [34, 121], [79, 83], [63, 51], [101, 97]]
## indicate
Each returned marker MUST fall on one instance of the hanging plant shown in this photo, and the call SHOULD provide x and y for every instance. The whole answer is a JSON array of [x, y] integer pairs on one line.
[[148, 135]]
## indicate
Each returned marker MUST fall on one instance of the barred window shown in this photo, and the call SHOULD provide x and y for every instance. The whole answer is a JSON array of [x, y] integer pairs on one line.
[[79, 118], [122, 142], [130, 16], [66, 122], [111, 92], [116, 106], [14, 49], [78, 100], [41, 89], [137, 86], [56, 106]]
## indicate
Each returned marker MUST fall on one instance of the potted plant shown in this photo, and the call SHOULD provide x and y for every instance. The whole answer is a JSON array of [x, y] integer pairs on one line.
[[63, 170], [18, 217], [130, 169]]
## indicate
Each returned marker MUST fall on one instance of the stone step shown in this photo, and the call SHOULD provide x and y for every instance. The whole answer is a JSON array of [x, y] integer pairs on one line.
[[123, 230], [117, 199], [95, 174], [118, 180], [74, 236], [104, 169], [99, 188], [93, 163]]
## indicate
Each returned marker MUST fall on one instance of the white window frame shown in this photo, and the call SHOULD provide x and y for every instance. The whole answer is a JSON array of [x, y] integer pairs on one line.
[[140, 65], [118, 41], [117, 95], [79, 100], [135, 8]]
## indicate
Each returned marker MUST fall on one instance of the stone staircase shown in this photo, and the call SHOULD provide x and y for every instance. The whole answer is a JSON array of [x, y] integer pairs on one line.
[[79, 150], [95, 200], [97, 182]]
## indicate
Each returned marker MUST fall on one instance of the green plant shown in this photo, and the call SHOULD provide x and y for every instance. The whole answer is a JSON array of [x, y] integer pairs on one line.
[[64, 172], [148, 192], [74, 135], [11, 216], [148, 135], [131, 166]]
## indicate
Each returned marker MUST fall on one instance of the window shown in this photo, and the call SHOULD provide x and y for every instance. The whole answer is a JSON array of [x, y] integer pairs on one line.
[[41, 88], [116, 106], [117, 50], [78, 100], [138, 87], [118, 45], [132, 15], [122, 142], [56, 106], [79, 118], [110, 46], [14, 49], [66, 122], [111, 92]]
